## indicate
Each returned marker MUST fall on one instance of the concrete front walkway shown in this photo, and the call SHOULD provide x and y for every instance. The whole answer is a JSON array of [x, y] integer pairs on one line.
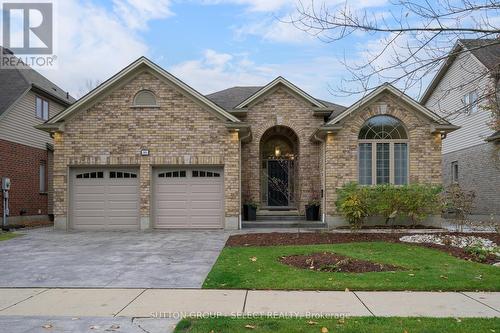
[[175, 303]]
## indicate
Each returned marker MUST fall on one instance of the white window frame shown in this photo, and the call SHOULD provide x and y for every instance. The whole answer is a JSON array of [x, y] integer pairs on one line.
[[45, 111], [470, 102], [42, 174], [392, 160]]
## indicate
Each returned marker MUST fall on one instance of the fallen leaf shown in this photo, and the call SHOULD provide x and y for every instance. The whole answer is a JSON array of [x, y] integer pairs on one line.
[[251, 327], [254, 259], [458, 320], [346, 290], [47, 326], [324, 330], [341, 321], [310, 322], [444, 277], [411, 274]]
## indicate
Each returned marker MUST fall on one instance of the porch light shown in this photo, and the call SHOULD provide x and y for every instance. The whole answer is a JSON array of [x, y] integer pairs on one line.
[[277, 151]]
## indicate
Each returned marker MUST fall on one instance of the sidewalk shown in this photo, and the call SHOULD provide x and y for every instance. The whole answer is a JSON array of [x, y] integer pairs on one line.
[[161, 303]]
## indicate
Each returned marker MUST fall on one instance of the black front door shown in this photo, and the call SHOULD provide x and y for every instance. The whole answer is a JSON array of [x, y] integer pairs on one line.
[[278, 187]]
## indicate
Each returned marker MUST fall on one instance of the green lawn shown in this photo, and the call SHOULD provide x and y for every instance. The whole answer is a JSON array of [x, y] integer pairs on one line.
[[7, 236], [425, 269], [354, 325]]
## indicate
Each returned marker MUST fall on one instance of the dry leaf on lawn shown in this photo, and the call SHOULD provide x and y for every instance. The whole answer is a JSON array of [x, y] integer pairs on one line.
[[310, 322], [324, 330], [250, 327]]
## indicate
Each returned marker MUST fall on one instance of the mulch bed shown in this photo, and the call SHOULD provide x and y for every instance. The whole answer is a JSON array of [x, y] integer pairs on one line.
[[389, 227], [330, 262], [311, 238]]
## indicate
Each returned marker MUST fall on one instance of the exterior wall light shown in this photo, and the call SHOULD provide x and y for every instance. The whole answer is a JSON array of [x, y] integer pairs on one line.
[[277, 151]]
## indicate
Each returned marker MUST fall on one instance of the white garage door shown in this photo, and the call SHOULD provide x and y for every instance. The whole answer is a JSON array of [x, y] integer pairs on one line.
[[104, 199], [189, 198]]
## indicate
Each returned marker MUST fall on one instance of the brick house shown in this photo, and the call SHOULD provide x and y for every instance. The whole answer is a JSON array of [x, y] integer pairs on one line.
[[461, 88], [144, 150], [27, 99]]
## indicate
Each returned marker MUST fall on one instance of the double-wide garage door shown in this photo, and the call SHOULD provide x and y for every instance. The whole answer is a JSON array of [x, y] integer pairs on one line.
[[108, 198], [104, 199], [188, 198]]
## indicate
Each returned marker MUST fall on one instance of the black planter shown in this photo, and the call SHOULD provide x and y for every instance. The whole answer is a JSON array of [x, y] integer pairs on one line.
[[249, 213], [312, 213]]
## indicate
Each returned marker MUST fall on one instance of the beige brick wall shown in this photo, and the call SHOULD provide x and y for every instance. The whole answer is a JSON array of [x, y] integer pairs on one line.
[[342, 148], [179, 131], [282, 107]]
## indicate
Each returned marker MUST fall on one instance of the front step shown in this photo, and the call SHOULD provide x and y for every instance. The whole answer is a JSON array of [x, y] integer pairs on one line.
[[285, 224], [279, 215]]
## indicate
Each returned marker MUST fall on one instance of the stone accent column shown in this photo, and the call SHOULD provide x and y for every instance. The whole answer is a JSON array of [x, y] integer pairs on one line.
[[60, 184], [145, 195], [232, 181]]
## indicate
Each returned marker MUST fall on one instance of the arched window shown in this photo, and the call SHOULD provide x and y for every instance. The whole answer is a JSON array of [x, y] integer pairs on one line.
[[383, 152], [145, 98]]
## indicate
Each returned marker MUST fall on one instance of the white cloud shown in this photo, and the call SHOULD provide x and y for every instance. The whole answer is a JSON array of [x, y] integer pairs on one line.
[[137, 13], [313, 75], [255, 5], [275, 31], [94, 42]]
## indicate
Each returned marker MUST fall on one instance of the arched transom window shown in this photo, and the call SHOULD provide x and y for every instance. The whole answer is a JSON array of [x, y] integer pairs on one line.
[[145, 98], [383, 152]]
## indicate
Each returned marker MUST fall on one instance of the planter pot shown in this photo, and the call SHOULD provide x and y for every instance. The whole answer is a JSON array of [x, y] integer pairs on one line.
[[249, 213], [312, 213]]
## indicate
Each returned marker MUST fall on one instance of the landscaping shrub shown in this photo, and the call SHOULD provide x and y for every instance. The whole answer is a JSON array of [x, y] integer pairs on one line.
[[415, 201]]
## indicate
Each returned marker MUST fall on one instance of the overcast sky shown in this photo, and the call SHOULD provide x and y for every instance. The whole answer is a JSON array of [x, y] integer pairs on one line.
[[210, 44]]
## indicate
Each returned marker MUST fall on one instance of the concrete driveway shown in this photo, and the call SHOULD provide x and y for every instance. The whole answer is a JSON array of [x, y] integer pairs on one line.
[[169, 259]]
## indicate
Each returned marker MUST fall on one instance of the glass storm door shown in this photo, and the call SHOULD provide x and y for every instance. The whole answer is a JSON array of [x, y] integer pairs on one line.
[[278, 184]]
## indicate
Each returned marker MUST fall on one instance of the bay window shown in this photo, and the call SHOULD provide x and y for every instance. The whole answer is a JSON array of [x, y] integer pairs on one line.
[[383, 152]]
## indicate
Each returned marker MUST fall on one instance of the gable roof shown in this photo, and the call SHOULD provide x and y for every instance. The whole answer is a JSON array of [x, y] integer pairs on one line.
[[137, 65], [15, 82], [387, 87], [279, 80], [486, 51], [231, 97]]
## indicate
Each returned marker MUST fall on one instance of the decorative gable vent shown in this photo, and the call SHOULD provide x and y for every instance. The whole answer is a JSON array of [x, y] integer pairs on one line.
[[145, 98]]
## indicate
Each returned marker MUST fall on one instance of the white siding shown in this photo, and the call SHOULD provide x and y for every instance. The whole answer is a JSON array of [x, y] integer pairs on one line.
[[18, 124], [466, 74]]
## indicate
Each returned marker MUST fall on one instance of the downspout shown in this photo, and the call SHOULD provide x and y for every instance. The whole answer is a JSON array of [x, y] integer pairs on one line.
[[241, 189], [323, 141]]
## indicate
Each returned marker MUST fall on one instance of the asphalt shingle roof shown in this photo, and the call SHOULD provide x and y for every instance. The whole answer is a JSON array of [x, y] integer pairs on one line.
[[15, 82], [485, 50], [231, 97]]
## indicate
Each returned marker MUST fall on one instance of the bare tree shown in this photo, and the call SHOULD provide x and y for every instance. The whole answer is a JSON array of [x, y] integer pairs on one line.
[[88, 87], [413, 38]]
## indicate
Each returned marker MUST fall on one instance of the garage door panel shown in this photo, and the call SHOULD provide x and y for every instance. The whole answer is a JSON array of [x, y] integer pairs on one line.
[[188, 202], [205, 188], [206, 205], [104, 203], [172, 188], [89, 189], [172, 205]]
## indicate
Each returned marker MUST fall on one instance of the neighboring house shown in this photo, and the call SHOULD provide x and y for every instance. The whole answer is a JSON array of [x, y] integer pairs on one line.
[[144, 150], [459, 92], [27, 99]]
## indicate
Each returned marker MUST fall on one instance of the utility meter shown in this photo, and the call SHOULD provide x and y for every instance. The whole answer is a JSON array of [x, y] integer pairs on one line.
[[5, 184]]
